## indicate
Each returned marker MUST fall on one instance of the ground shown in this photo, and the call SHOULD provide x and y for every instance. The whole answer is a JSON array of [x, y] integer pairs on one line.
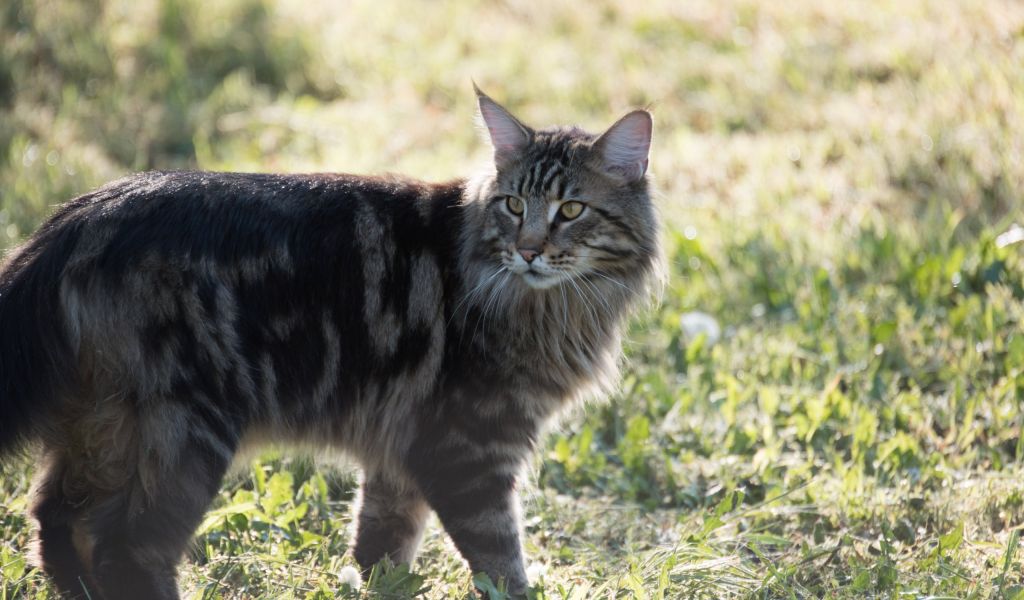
[[840, 184]]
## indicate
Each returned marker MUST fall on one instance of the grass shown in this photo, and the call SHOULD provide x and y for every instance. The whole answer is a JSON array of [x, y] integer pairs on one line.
[[841, 186]]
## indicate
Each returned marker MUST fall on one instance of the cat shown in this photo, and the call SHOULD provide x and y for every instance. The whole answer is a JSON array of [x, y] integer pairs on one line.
[[153, 328]]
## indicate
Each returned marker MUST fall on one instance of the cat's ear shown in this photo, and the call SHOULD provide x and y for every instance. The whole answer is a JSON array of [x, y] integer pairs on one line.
[[508, 135], [624, 147]]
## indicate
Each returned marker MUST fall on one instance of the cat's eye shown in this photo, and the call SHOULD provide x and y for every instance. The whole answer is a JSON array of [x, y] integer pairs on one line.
[[515, 205], [570, 210]]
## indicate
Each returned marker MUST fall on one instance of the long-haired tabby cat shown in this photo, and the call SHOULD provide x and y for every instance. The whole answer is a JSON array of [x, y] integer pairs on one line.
[[152, 328]]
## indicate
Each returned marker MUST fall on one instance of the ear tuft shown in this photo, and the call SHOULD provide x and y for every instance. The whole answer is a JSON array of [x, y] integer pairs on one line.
[[626, 144], [508, 136]]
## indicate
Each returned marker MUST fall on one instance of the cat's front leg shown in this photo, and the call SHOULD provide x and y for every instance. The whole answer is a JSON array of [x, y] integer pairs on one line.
[[471, 485]]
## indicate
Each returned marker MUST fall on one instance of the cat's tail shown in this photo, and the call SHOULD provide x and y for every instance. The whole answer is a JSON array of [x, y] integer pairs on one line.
[[36, 355]]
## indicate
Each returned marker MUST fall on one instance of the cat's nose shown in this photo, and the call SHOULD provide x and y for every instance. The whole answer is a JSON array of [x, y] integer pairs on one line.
[[528, 254]]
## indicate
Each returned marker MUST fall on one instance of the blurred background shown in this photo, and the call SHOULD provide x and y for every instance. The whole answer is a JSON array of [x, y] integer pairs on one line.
[[827, 402]]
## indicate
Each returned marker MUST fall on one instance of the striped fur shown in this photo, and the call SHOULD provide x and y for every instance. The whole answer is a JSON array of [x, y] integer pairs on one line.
[[156, 326]]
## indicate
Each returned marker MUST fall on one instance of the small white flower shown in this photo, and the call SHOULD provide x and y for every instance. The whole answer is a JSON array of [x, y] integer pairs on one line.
[[350, 576], [696, 323], [536, 571], [1013, 235]]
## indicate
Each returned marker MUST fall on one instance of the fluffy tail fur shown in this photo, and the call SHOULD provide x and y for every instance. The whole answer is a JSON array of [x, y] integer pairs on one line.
[[36, 355]]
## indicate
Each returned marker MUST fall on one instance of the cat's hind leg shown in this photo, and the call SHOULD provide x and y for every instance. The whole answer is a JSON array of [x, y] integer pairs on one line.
[[392, 513], [55, 514], [138, 536]]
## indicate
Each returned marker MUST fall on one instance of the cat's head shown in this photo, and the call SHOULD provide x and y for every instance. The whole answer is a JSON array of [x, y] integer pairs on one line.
[[565, 203]]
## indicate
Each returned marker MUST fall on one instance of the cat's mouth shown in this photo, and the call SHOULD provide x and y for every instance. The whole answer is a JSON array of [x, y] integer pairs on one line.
[[538, 280], [536, 274]]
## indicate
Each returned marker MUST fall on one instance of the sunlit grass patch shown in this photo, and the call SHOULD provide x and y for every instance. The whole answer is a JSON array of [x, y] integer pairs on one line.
[[841, 187]]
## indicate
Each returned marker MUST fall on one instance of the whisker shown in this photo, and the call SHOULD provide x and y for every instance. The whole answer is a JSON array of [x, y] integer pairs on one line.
[[597, 295], [473, 291], [497, 300], [618, 283], [592, 311], [492, 296], [565, 309], [472, 294], [602, 255], [603, 311]]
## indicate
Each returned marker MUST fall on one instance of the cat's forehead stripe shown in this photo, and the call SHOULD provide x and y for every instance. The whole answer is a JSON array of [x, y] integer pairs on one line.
[[554, 171], [543, 177], [563, 187], [536, 176]]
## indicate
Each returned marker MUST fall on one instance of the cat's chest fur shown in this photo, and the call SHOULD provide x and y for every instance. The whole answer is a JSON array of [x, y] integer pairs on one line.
[[539, 351]]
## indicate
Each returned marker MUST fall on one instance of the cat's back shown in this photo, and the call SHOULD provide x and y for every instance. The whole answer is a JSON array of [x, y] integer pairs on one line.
[[249, 227], [271, 282], [227, 217]]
